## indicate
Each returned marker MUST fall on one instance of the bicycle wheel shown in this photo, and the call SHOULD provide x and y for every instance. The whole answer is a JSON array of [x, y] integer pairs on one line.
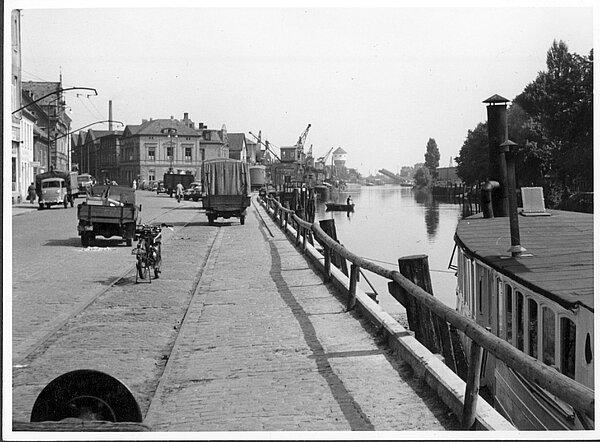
[[142, 260], [158, 261]]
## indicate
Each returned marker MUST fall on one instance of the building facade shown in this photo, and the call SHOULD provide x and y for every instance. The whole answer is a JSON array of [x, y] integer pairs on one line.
[[156, 147]]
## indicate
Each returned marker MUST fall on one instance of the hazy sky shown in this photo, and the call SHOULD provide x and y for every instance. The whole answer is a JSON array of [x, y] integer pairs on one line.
[[377, 81]]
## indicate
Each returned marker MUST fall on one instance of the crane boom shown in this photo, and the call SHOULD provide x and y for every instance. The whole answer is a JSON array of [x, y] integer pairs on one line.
[[266, 145]]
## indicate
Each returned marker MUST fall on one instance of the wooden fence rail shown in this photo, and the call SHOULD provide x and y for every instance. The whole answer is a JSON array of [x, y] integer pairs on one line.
[[563, 387]]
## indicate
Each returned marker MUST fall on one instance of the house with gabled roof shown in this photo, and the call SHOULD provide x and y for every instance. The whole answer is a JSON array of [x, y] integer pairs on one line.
[[155, 147], [237, 146]]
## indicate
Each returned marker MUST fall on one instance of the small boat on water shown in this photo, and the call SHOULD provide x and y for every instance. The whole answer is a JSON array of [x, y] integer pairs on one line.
[[541, 302], [339, 207]]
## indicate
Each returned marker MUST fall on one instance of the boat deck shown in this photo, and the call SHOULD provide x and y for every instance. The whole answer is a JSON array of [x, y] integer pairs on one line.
[[559, 257]]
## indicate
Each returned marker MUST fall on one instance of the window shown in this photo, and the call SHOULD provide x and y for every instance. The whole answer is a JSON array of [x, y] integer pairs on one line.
[[509, 311], [151, 175], [188, 153], [567, 351], [533, 328], [501, 329], [519, 320], [548, 336], [170, 152], [151, 153]]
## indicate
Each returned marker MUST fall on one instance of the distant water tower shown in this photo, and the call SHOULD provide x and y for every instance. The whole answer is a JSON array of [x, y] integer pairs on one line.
[[339, 157]]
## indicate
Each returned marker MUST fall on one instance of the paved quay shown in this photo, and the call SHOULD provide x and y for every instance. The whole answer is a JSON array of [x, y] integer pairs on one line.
[[238, 334], [265, 346]]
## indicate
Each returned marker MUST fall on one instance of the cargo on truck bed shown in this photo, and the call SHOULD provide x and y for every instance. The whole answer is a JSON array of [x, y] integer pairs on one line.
[[227, 186], [108, 211]]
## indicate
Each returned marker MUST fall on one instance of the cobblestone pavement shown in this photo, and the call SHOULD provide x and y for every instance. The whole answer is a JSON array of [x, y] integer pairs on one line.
[[238, 334], [266, 347]]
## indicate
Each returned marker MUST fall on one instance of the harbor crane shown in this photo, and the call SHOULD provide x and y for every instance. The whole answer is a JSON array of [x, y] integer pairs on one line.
[[324, 158], [302, 139], [266, 145]]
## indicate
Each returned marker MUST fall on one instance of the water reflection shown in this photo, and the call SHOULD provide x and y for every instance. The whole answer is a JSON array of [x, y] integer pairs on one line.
[[432, 211], [389, 222]]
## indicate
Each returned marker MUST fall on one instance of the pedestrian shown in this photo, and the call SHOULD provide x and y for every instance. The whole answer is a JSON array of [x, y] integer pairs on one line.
[[134, 184], [31, 193], [179, 191], [349, 200]]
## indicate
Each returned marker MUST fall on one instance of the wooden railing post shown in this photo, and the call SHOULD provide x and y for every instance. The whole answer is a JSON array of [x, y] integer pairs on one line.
[[472, 388], [327, 253], [351, 302], [304, 234]]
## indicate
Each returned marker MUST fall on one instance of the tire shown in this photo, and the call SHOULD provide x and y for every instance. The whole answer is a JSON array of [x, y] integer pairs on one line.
[[128, 242], [142, 262], [41, 206], [211, 219], [65, 202], [242, 219], [85, 239]]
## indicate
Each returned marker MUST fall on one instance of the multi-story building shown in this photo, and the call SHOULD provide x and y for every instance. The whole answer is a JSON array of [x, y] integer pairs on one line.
[[97, 152], [155, 147], [57, 124]]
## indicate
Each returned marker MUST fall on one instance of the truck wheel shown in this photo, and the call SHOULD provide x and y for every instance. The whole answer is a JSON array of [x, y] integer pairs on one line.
[[41, 206], [128, 242], [85, 239], [48, 205], [242, 219], [211, 219], [65, 202]]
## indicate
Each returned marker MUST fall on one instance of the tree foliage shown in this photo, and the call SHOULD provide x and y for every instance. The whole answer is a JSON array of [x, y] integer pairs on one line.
[[423, 178], [474, 159], [552, 123], [432, 157]]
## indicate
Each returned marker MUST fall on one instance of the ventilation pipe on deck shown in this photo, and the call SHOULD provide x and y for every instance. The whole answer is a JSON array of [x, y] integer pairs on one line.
[[508, 147]]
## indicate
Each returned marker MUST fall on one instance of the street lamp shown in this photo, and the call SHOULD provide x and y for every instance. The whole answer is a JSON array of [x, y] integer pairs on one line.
[[171, 131]]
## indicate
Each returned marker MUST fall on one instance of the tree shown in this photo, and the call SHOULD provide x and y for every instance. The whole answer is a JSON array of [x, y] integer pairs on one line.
[[473, 160], [557, 129], [423, 178], [432, 157]]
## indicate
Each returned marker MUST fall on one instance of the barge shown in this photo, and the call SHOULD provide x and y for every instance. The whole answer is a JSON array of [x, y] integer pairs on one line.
[[541, 302]]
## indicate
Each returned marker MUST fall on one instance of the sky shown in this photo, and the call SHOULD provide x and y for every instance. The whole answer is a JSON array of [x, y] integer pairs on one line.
[[377, 79]]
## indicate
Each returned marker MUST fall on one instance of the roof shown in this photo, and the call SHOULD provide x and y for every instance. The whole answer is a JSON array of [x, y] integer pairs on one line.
[[40, 88], [562, 245], [339, 151], [235, 141], [156, 127]]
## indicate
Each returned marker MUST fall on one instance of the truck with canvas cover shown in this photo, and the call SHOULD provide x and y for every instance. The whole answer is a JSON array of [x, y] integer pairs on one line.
[[227, 186], [108, 211], [170, 181], [56, 187]]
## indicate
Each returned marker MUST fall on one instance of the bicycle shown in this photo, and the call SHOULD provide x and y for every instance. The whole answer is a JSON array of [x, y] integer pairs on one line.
[[148, 250]]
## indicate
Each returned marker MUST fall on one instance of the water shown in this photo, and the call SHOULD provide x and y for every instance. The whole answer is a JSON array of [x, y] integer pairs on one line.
[[393, 221]]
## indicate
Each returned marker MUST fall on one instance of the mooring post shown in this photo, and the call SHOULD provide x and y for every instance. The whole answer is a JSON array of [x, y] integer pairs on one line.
[[420, 320], [472, 388], [351, 301]]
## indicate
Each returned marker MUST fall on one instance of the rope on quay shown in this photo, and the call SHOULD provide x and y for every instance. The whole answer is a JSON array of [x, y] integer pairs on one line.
[[394, 265]]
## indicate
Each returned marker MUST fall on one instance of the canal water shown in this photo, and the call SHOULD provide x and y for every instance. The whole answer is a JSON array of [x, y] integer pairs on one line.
[[391, 221]]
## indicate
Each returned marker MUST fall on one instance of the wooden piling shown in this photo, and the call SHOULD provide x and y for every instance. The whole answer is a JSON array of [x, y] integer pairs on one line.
[[472, 388], [328, 226]]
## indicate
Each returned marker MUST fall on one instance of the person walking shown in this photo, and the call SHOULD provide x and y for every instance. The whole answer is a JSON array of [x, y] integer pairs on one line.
[[134, 184], [179, 191], [31, 195]]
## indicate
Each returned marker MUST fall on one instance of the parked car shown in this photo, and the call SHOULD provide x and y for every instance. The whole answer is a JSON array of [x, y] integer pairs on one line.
[[152, 186], [160, 187], [194, 192]]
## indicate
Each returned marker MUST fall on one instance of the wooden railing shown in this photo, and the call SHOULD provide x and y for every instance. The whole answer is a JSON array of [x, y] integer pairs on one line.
[[577, 395]]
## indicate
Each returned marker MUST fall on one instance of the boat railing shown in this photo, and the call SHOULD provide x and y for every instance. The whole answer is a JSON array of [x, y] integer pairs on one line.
[[572, 392]]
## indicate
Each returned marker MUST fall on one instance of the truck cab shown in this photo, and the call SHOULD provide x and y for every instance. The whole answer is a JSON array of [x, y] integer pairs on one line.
[[55, 188], [54, 191]]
